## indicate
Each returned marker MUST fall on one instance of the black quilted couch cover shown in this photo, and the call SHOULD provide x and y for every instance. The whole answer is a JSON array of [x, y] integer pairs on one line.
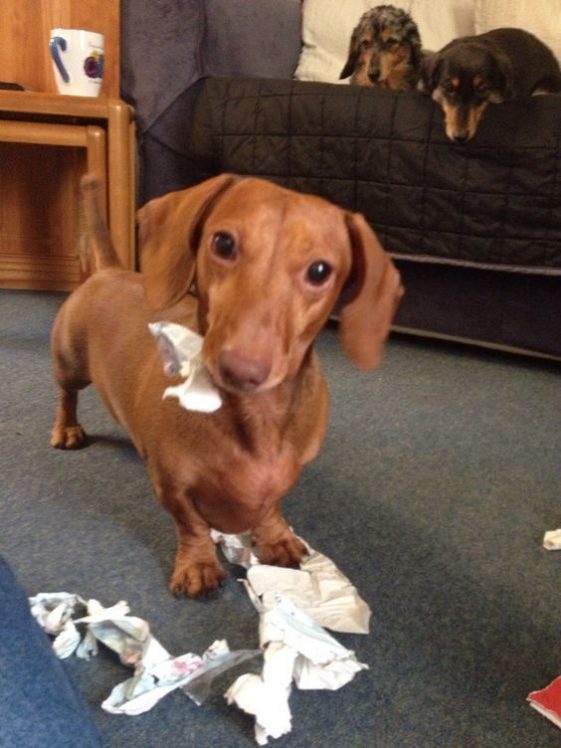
[[493, 202], [475, 229]]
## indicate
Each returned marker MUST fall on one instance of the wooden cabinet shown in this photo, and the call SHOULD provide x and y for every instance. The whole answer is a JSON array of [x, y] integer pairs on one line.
[[47, 141]]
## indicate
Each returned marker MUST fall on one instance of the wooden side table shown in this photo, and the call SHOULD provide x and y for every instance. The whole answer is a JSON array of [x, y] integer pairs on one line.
[[47, 141]]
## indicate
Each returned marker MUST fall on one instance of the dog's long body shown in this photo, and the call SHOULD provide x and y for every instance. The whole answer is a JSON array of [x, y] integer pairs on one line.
[[385, 50], [268, 266], [471, 72]]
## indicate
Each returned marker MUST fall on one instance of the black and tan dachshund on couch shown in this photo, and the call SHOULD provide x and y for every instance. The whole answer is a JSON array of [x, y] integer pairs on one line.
[[473, 71]]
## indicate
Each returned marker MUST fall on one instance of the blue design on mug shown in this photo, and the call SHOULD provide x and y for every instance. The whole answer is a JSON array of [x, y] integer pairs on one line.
[[56, 44]]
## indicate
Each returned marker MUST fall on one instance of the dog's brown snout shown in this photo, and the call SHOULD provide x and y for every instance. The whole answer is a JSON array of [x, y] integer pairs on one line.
[[242, 372]]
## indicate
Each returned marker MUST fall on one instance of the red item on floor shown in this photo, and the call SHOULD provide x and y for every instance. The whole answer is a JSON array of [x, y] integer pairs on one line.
[[548, 701]]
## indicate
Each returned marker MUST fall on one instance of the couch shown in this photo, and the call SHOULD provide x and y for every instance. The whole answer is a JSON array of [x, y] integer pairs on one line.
[[475, 229]]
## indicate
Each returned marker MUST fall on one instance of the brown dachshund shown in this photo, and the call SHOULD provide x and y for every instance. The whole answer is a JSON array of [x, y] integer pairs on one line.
[[257, 269]]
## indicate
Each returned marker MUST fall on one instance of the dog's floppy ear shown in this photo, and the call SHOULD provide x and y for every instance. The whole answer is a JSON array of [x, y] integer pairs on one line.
[[431, 66], [501, 77], [169, 230], [416, 53], [372, 296], [352, 58]]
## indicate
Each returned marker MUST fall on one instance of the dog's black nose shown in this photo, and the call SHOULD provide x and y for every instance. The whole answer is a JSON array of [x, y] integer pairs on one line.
[[460, 138], [374, 75], [242, 373]]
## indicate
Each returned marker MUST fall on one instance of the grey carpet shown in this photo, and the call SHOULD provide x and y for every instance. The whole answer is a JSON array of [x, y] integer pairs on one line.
[[438, 477]]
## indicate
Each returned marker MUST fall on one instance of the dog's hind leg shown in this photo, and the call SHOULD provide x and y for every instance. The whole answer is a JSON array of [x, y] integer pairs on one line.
[[67, 432], [71, 374]]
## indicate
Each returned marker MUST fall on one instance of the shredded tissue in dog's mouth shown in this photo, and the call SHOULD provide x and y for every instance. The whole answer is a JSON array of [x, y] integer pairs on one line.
[[180, 350]]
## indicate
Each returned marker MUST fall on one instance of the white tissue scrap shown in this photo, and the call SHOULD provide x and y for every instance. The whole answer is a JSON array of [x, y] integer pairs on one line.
[[266, 696], [293, 605], [156, 673], [552, 540], [180, 349], [296, 649], [318, 587], [237, 549], [193, 674], [54, 612]]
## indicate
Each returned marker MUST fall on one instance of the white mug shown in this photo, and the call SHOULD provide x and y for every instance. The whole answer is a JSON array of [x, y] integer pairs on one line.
[[78, 58]]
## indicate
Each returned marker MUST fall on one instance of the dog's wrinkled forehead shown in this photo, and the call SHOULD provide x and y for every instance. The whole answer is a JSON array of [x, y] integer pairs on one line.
[[469, 62], [259, 205], [387, 20]]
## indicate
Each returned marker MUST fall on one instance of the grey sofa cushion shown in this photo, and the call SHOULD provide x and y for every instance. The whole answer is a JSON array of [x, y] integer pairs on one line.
[[159, 53], [168, 45], [256, 38]]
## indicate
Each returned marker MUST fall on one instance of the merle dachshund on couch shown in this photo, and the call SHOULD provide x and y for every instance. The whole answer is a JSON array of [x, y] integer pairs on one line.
[[385, 50]]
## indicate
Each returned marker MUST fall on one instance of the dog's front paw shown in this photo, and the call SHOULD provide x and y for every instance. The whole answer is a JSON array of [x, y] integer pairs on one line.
[[196, 579], [286, 551], [68, 437]]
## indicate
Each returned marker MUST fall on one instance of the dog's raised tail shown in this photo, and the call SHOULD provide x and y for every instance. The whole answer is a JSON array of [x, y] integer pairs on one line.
[[96, 225]]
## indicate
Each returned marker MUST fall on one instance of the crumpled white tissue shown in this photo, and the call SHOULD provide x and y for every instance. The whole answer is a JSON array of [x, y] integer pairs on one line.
[[552, 540], [180, 349], [156, 672], [237, 549], [293, 605], [266, 696], [296, 649], [318, 587], [193, 674]]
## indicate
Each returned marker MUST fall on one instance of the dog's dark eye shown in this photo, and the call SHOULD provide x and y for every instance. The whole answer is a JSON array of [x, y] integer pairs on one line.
[[449, 87], [224, 245], [318, 272], [364, 44]]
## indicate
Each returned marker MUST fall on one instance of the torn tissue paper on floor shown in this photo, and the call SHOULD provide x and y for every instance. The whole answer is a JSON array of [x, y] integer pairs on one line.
[[293, 605], [552, 540], [296, 649], [156, 672], [318, 587]]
